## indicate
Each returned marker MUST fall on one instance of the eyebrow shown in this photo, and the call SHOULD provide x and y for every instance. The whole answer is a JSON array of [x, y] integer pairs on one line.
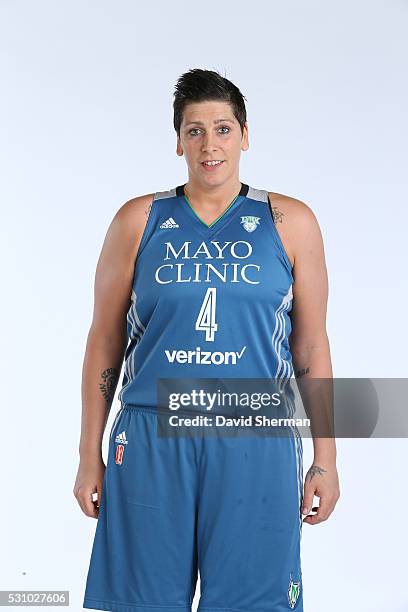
[[215, 121]]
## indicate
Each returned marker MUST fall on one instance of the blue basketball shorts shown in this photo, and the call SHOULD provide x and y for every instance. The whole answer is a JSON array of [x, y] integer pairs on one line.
[[228, 507]]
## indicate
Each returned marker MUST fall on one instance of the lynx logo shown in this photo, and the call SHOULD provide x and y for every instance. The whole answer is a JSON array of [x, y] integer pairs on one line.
[[250, 223], [293, 592], [119, 454]]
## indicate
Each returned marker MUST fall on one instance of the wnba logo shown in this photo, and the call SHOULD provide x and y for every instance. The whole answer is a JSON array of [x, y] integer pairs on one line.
[[119, 454]]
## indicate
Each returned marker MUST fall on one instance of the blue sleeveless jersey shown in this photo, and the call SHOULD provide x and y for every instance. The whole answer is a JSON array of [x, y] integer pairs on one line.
[[207, 300]]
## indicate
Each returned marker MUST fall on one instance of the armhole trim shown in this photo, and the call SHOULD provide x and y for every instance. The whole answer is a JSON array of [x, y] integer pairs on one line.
[[278, 238], [146, 227]]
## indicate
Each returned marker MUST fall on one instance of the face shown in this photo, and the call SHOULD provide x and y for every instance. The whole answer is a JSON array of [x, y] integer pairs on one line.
[[210, 131]]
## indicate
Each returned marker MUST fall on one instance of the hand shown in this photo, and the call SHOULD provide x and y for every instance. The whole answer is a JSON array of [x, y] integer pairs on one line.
[[89, 480], [321, 480]]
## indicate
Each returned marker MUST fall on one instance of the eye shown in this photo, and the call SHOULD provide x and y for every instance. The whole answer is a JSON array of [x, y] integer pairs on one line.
[[193, 131]]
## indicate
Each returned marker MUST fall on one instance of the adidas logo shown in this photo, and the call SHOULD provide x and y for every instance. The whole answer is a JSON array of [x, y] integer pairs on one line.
[[121, 438], [170, 222]]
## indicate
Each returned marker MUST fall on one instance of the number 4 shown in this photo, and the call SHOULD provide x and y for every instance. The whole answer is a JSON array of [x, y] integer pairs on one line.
[[206, 317]]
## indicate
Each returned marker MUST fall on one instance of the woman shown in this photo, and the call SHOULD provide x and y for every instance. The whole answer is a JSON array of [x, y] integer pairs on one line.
[[213, 278]]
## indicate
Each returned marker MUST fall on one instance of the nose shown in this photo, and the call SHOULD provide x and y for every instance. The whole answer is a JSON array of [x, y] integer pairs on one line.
[[208, 144]]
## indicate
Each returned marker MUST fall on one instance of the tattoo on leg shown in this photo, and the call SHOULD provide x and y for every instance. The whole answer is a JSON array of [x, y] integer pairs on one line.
[[108, 386], [300, 373], [315, 469], [277, 215]]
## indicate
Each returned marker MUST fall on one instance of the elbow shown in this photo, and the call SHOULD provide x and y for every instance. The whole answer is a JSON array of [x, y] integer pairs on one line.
[[306, 346]]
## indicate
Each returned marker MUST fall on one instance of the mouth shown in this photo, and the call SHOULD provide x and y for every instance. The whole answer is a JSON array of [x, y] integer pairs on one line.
[[212, 164]]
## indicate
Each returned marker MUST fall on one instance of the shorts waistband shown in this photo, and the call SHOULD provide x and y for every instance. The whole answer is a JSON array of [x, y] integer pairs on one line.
[[151, 409], [189, 412], [160, 411], [183, 412]]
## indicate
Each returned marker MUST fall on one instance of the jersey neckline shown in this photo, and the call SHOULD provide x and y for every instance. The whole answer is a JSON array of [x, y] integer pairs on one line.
[[180, 193]]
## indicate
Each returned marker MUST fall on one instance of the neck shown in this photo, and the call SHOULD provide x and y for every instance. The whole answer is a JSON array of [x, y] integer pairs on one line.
[[212, 195]]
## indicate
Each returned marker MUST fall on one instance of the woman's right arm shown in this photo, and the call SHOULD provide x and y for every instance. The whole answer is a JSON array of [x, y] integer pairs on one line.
[[106, 343]]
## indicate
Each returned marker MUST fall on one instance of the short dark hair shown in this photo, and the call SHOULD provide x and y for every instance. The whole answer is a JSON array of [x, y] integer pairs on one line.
[[198, 85]]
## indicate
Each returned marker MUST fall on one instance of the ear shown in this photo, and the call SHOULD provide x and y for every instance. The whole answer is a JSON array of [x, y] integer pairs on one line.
[[245, 140], [179, 148]]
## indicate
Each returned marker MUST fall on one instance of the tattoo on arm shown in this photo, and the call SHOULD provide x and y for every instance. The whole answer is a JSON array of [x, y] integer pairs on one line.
[[108, 386], [315, 469], [277, 215], [300, 373]]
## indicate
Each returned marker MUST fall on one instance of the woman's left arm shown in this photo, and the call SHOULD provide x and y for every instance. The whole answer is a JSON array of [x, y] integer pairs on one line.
[[311, 351]]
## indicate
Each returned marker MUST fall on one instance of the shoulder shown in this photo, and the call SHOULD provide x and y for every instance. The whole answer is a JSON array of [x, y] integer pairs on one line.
[[292, 208], [135, 210], [295, 222], [131, 217], [126, 228]]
